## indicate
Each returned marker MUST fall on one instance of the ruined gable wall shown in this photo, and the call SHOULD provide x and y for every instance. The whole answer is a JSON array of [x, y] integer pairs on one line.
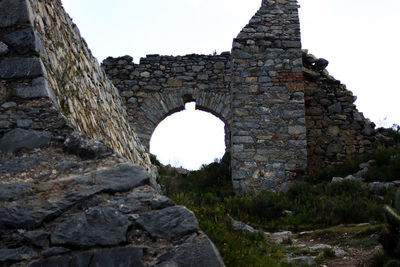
[[161, 85], [336, 130], [67, 74]]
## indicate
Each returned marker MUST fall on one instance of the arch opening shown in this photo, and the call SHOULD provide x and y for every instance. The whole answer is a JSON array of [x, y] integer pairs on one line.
[[189, 138]]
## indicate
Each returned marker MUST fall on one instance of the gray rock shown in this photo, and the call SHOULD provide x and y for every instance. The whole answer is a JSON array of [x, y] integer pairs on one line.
[[320, 247], [10, 192], [201, 253], [3, 48], [303, 260], [118, 257], [85, 148], [8, 105], [25, 123], [121, 178], [31, 217], [17, 139], [110, 257], [24, 40], [16, 254], [279, 237], [103, 226], [21, 68], [37, 238], [66, 165], [62, 261], [241, 55], [128, 204], [170, 222], [352, 178], [5, 124], [161, 202], [39, 88], [19, 164], [242, 227], [340, 253], [14, 12], [321, 64], [53, 251], [337, 180], [364, 165]]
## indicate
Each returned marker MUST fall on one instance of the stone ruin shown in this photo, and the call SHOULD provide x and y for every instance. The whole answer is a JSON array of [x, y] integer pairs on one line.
[[283, 114]]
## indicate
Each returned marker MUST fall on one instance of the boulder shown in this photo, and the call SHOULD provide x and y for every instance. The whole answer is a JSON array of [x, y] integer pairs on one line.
[[201, 253], [18, 139], [242, 227], [102, 226], [171, 222]]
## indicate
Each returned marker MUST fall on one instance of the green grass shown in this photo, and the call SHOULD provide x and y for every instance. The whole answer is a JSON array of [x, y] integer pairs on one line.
[[209, 194]]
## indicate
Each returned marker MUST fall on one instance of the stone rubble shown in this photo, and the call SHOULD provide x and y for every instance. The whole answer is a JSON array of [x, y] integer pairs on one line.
[[111, 216]]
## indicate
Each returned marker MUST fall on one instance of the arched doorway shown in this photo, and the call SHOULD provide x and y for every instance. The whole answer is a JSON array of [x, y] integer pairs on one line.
[[189, 138]]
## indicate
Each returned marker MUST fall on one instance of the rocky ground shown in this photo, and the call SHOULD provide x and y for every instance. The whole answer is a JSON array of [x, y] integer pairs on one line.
[[95, 209]]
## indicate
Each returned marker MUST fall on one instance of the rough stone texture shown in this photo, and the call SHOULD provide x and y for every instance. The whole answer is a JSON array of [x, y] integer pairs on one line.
[[102, 226], [169, 222], [14, 12], [18, 164], [10, 192], [303, 260], [67, 220], [19, 67], [84, 147], [18, 139], [336, 130], [45, 63], [161, 85], [268, 121], [201, 253], [113, 257]]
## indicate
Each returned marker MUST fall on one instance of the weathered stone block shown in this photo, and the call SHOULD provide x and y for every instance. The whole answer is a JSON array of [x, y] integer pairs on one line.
[[15, 12], [21, 68]]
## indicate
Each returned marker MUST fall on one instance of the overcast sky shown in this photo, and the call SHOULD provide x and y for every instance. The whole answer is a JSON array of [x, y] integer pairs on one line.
[[359, 38]]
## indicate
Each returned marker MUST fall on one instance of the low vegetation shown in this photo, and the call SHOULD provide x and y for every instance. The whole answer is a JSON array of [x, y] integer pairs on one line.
[[314, 204]]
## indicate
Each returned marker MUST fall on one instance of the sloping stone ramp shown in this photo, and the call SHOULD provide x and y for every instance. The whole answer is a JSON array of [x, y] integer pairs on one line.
[[110, 217]]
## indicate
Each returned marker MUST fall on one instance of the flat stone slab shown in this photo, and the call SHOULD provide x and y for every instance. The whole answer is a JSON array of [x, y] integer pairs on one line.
[[202, 253], [18, 164], [112, 257], [11, 68], [31, 217], [14, 12], [170, 222], [121, 178], [17, 139], [16, 254], [9, 192], [103, 226]]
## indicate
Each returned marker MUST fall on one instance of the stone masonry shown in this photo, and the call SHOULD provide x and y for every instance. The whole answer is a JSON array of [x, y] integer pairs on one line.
[[257, 91], [161, 85], [50, 81], [268, 121], [280, 108]]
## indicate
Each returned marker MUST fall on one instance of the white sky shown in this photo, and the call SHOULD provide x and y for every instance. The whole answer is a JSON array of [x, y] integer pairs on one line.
[[360, 38]]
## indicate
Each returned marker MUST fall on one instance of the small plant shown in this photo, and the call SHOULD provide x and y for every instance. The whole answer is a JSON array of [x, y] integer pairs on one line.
[[391, 240]]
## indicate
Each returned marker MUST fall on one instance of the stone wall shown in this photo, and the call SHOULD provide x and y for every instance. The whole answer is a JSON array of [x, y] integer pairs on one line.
[[336, 130], [268, 121], [45, 61], [161, 85], [26, 100]]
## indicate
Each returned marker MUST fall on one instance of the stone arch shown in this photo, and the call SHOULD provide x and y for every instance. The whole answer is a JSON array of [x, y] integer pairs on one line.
[[158, 106]]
